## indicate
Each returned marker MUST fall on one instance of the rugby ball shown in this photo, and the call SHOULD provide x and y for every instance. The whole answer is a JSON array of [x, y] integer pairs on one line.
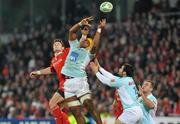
[[106, 7]]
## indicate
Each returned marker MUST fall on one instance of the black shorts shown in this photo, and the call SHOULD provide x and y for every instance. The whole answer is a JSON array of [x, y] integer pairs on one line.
[[60, 92]]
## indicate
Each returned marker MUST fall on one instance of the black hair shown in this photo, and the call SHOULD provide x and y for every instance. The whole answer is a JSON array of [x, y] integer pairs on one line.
[[82, 27], [129, 69]]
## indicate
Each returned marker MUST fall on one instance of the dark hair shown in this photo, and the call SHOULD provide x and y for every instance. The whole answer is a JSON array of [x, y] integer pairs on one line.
[[152, 83], [59, 40], [82, 27], [129, 69]]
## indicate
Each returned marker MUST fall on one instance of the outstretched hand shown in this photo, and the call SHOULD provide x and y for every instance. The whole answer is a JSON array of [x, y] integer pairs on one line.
[[34, 74], [86, 21], [97, 62], [94, 67], [102, 23]]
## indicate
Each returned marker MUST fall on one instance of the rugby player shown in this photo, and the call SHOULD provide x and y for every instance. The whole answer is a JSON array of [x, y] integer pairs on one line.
[[60, 53], [148, 102], [132, 112], [76, 87]]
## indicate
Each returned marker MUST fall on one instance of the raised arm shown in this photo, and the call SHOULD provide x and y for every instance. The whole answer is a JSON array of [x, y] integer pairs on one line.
[[149, 104], [105, 80], [96, 38], [45, 71], [103, 71], [76, 27]]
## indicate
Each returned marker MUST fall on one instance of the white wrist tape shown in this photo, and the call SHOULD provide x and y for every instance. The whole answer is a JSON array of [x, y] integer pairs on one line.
[[99, 30], [38, 72]]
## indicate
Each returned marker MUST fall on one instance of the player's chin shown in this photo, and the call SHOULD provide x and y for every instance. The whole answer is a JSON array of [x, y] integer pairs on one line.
[[84, 46], [144, 91]]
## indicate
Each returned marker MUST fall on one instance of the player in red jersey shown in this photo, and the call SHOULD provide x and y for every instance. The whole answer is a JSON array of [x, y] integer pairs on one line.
[[60, 53], [117, 105]]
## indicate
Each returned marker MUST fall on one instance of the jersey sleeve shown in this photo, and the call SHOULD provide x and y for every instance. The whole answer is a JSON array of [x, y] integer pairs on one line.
[[103, 79], [118, 82], [106, 73], [112, 82]]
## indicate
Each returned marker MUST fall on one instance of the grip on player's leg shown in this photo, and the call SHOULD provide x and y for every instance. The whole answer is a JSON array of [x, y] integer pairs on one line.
[[83, 98], [73, 103]]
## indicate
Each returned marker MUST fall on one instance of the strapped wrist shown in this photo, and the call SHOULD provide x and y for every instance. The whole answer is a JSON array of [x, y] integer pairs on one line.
[[99, 30]]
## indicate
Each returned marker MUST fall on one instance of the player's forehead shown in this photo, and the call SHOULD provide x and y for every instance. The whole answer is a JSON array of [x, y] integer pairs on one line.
[[86, 27], [146, 83], [57, 43]]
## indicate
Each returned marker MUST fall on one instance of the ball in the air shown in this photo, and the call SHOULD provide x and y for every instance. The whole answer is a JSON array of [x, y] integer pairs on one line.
[[106, 7]]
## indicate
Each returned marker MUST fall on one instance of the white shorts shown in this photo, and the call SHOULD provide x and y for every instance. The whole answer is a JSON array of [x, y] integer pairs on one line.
[[77, 86], [131, 115]]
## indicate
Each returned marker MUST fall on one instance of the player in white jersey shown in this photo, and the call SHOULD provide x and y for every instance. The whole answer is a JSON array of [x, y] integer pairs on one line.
[[148, 102], [76, 87], [132, 112]]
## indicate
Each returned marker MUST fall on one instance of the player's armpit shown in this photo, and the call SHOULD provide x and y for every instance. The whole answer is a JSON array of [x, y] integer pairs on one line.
[[93, 50]]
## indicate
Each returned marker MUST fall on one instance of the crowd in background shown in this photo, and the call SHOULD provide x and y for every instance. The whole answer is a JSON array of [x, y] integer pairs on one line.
[[149, 41]]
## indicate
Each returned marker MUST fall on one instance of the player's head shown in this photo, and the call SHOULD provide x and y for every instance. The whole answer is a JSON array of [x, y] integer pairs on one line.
[[126, 70], [58, 45], [148, 86], [87, 43]]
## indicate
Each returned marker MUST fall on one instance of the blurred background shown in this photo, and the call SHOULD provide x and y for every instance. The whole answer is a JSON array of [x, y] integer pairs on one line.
[[145, 33]]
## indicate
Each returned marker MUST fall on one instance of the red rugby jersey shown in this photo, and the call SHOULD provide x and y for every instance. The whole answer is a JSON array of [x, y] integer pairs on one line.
[[56, 66], [119, 110]]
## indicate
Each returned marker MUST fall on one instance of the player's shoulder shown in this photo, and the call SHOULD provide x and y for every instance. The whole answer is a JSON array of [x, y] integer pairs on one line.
[[117, 77], [152, 98], [74, 43], [67, 49], [126, 79]]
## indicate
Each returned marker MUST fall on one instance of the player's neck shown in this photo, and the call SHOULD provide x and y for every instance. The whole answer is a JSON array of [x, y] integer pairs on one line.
[[147, 94]]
